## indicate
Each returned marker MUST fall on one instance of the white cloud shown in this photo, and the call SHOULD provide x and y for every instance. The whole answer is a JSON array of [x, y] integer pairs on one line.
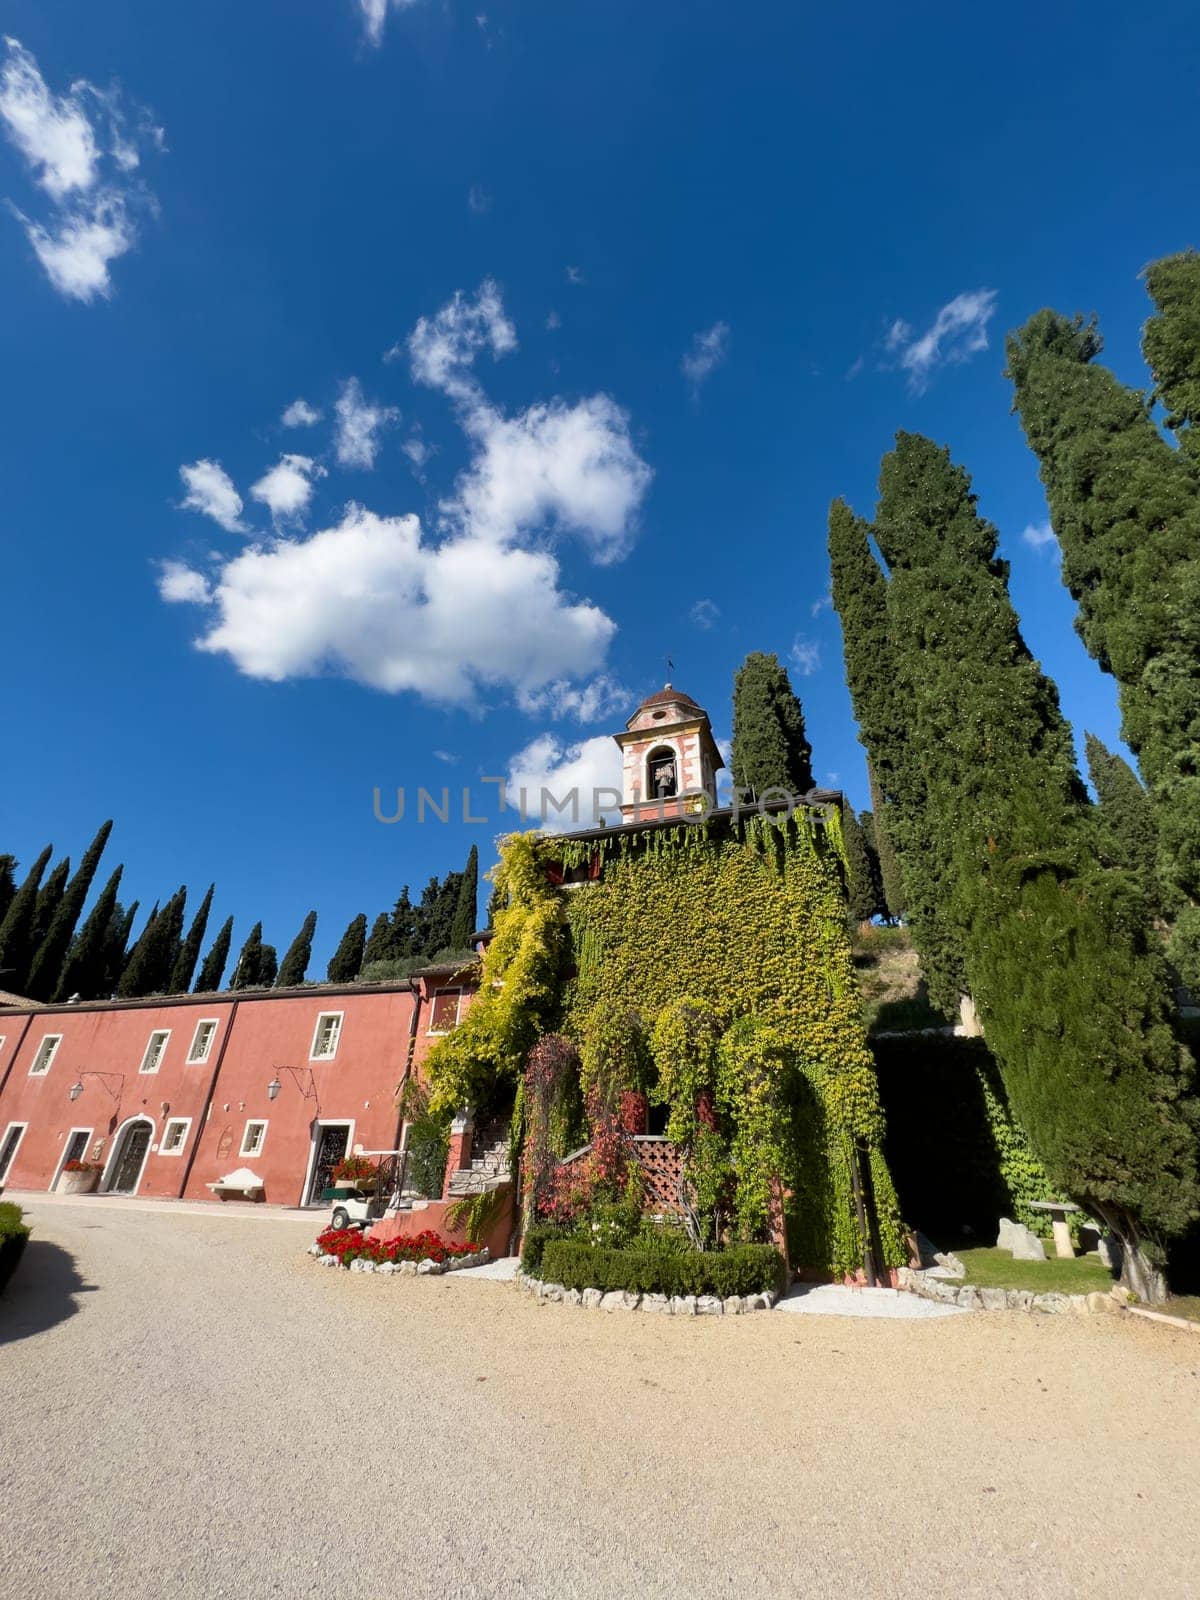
[[708, 351], [287, 487], [478, 200], [359, 424], [575, 275], [374, 16], [210, 491], [87, 177], [596, 701], [448, 756], [443, 348], [958, 332], [76, 249], [1040, 536], [553, 321], [370, 600], [300, 415], [179, 583], [805, 656], [582, 782], [418, 453], [825, 603], [705, 613]]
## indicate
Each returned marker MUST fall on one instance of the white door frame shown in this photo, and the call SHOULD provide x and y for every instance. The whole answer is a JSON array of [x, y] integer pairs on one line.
[[320, 1123], [24, 1127], [118, 1142], [71, 1132]]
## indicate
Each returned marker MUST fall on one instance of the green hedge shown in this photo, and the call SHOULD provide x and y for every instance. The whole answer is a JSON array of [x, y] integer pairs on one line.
[[744, 1269], [13, 1234], [535, 1241]]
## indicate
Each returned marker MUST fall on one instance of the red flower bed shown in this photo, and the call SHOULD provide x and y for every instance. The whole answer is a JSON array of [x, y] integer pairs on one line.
[[350, 1244]]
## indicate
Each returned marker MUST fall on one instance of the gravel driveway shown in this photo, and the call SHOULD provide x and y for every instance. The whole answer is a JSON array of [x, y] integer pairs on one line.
[[189, 1406]]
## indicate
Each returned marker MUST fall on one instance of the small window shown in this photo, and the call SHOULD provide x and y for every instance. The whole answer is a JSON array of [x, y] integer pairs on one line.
[[444, 1013], [325, 1039], [175, 1136], [253, 1139], [46, 1053], [202, 1039], [152, 1060]]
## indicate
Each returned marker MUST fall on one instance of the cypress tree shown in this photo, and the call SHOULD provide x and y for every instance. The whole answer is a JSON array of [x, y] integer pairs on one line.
[[46, 966], [770, 747], [1171, 344], [268, 966], [184, 966], [378, 946], [209, 981], [1126, 509], [17, 927], [8, 887], [872, 655], [861, 900], [891, 879], [1124, 817], [402, 937], [294, 966], [435, 914], [1073, 992], [866, 822], [463, 925], [85, 969], [247, 974], [118, 950], [50, 897], [346, 961], [124, 982], [148, 970]]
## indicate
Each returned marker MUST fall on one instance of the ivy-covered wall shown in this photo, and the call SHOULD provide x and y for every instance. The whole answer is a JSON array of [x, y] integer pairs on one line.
[[752, 921]]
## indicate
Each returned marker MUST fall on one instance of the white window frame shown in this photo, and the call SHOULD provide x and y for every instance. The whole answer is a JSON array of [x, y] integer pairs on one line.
[[156, 1033], [175, 1122], [40, 1072], [254, 1122], [193, 1060], [62, 1160], [328, 1055], [2, 1039], [16, 1149], [440, 1033]]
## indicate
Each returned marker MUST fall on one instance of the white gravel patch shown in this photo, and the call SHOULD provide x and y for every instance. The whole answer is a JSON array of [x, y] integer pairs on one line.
[[502, 1271], [836, 1300]]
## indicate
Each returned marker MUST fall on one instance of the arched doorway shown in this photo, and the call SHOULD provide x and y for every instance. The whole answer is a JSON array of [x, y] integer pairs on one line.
[[130, 1149], [662, 773]]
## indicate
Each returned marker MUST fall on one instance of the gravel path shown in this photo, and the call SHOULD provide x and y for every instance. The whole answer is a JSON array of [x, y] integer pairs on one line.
[[190, 1407]]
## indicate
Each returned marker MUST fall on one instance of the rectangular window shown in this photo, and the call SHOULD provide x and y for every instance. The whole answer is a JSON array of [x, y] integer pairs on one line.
[[443, 1014], [46, 1053], [325, 1038], [253, 1139], [202, 1040], [175, 1136], [8, 1147], [152, 1060]]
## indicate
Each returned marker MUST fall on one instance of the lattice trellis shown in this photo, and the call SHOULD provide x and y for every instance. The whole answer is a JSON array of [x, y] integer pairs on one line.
[[661, 1164]]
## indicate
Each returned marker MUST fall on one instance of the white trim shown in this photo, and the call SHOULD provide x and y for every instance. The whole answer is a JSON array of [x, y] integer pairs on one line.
[[315, 1144], [62, 1160], [168, 1124], [118, 1139], [254, 1122], [24, 1127], [2, 1039], [192, 1059], [40, 1072], [155, 1033], [337, 1038], [440, 1033]]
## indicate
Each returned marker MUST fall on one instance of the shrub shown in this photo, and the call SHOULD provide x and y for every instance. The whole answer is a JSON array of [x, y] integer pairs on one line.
[[745, 1269], [537, 1236], [13, 1234]]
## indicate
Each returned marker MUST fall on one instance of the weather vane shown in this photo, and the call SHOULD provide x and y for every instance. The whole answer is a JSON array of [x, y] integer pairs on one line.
[[670, 668]]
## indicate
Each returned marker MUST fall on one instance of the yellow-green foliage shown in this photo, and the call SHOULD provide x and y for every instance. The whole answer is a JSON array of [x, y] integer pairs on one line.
[[519, 986], [684, 1046], [752, 924]]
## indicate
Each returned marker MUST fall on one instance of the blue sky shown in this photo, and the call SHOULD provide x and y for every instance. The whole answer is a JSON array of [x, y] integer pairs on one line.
[[706, 263]]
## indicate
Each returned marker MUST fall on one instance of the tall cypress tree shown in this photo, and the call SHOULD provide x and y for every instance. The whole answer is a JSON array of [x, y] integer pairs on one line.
[[346, 961], [435, 914], [891, 878], [379, 945], [268, 965], [1171, 344], [118, 948], [862, 902], [85, 969], [770, 747], [50, 897], [46, 967], [248, 973], [209, 981], [8, 887], [17, 927], [1124, 817], [872, 655], [184, 966], [463, 925], [1126, 509], [148, 970], [1073, 992], [294, 965]]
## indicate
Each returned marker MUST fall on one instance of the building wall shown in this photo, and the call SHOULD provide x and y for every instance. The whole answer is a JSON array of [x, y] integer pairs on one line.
[[257, 1039]]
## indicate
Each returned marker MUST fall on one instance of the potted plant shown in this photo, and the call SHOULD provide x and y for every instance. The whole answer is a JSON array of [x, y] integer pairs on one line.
[[78, 1177], [358, 1171]]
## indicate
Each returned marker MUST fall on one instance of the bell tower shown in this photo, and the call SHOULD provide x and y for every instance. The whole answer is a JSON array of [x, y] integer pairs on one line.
[[671, 759]]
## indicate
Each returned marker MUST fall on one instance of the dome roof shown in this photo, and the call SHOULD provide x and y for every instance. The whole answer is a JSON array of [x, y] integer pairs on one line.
[[668, 696]]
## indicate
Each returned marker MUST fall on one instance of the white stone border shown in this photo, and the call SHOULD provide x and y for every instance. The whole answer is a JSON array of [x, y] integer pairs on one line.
[[404, 1269], [678, 1305], [951, 1292]]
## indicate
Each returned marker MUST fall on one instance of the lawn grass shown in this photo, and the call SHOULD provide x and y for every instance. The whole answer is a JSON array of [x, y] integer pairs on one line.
[[996, 1269], [1182, 1305]]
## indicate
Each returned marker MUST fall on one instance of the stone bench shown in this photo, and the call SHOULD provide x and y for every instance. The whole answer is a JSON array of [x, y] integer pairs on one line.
[[243, 1183]]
